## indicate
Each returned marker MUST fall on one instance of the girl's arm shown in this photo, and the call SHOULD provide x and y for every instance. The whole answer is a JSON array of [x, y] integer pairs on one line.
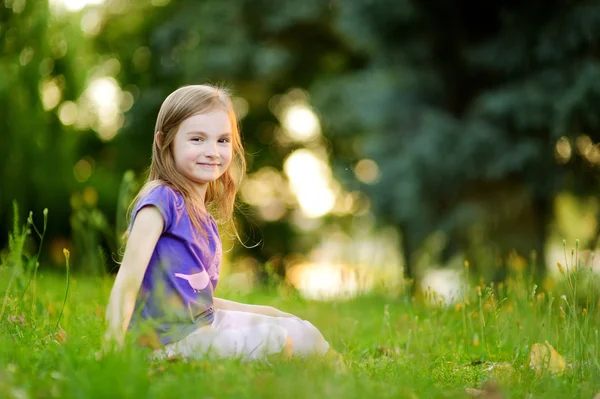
[[147, 228], [224, 304]]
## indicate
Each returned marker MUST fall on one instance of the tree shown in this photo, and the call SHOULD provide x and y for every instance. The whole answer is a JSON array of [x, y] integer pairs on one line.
[[461, 102]]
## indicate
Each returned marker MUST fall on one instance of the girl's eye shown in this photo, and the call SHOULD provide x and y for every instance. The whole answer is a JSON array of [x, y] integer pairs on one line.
[[196, 139], [224, 140]]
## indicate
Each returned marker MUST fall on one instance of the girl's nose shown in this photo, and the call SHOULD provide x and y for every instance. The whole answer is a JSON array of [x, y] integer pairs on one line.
[[211, 151]]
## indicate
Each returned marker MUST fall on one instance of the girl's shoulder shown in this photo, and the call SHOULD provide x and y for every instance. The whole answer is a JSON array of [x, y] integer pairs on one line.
[[165, 198], [165, 194]]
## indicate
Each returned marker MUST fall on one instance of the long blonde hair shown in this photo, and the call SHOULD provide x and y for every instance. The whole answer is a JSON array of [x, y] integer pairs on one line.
[[220, 195]]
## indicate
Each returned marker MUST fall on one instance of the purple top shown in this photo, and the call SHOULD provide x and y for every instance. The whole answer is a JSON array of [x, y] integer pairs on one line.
[[176, 296]]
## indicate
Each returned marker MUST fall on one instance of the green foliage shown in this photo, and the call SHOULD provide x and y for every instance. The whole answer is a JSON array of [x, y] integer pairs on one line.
[[460, 105], [20, 266], [458, 102]]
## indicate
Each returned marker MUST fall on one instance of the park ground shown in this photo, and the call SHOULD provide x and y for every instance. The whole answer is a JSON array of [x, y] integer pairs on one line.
[[395, 345]]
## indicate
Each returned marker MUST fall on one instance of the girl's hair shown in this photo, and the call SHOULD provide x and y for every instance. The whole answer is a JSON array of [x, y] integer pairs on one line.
[[220, 195]]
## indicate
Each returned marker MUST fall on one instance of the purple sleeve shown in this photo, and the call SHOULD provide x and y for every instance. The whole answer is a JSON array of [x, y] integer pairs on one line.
[[161, 197]]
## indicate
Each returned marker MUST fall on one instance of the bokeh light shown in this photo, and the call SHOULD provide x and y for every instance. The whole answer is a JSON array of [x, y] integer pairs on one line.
[[67, 113], [75, 5], [367, 171], [267, 190], [83, 169], [104, 95], [50, 94], [563, 150], [310, 180], [301, 123], [91, 22]]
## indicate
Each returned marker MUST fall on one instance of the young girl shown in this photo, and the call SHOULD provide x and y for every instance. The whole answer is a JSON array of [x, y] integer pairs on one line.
[[173, 256]]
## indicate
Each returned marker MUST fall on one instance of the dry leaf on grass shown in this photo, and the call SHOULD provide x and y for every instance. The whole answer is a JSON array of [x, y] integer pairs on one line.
[[544, 357]]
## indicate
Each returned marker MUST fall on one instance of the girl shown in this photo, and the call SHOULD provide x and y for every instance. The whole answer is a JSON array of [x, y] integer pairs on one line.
[[173, 255]]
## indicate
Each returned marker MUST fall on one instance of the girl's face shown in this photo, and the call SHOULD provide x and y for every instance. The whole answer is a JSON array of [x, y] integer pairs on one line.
[[202, 147]]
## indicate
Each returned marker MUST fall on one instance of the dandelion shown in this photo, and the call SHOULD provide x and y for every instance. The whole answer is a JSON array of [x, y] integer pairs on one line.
[[458, 306]]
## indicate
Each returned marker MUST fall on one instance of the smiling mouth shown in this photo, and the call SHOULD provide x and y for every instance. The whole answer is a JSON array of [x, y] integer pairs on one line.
[[208, 164]]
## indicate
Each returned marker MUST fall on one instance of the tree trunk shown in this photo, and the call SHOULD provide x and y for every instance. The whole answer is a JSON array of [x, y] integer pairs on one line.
[[408, 248], [543, 213]]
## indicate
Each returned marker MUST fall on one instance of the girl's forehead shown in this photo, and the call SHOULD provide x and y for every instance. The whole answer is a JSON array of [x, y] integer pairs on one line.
[[216, 122]]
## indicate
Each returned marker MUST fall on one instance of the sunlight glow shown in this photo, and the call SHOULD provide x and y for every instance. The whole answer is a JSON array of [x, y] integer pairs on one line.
[[76, 5], [267, 190], [310, 180], [301, 123], [104, 95], [445, 284], [91, 22], [323, 280]]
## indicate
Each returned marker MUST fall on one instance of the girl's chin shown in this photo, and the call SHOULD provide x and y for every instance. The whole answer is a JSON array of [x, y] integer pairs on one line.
[[205, 180]]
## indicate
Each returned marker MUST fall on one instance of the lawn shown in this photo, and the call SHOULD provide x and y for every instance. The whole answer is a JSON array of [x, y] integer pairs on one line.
[[394, 345]]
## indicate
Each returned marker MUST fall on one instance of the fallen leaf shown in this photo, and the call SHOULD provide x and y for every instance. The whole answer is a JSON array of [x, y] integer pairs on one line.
[[544, 357]]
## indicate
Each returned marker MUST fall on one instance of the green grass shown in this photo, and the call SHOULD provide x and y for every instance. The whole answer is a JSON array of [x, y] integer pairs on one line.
[[395, 346]]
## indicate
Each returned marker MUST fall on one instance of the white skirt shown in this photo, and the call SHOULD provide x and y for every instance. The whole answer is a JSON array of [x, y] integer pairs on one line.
[[248, 336]]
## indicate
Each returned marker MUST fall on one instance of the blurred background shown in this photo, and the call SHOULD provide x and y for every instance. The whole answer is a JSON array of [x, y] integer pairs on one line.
[[386, 139]]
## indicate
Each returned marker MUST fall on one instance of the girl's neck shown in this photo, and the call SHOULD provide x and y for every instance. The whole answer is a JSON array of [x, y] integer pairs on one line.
[[201, 191]]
